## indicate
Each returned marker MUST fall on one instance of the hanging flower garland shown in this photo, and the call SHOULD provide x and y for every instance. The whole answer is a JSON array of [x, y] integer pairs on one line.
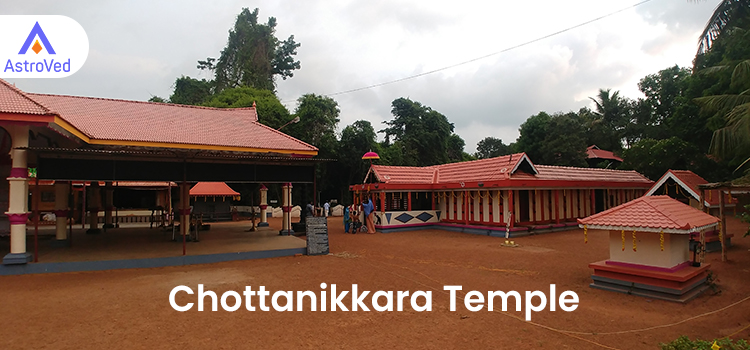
[[623, 240], [661, 240], [585, 234], [635, 244]]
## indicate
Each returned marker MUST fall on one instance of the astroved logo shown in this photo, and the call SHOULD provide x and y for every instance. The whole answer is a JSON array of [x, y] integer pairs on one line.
[[36, 32], [37, 57]]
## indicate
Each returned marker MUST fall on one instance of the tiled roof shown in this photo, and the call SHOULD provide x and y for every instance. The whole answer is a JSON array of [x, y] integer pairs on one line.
[[135, 122], [122, 120], [594, 152], [500, 168], [651, 213], [13, 100], [213, 189], [688, 181], [404, 174], [549, 172]]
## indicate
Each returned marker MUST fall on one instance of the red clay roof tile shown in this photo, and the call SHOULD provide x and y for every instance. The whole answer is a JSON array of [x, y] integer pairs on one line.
[[500, 168], [13, 100], [122, 120], [596, 153], [651, 213]]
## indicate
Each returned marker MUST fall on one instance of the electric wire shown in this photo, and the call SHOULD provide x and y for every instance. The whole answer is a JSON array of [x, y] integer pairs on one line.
[[485, 56]]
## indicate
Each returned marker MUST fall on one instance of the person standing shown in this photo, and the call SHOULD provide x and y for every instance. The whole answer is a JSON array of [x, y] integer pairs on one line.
[[326, 208], [369, 209]]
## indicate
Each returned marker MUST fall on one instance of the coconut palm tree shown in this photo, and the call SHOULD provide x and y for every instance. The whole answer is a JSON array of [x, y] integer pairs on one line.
[[724, 16], [735, 135]]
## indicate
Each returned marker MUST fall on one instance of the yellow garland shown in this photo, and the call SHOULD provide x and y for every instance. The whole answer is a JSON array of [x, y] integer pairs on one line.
[[661, 240], [635, 246], [623, 240], [720, 240], [585, 234]]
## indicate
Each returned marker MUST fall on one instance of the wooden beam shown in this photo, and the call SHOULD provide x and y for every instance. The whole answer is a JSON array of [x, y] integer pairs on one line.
[[723, 228]]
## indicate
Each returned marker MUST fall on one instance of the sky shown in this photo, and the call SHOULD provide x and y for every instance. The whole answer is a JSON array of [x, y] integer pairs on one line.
[[138, 48]]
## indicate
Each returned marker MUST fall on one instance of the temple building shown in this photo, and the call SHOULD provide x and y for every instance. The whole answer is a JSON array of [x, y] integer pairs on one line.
[[502, 196], [72, 142]]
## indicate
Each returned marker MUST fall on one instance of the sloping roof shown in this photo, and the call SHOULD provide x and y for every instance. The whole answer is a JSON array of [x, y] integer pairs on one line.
[[651, 214], [13, 100], [500, 168], [151, 124], [594, 152], [216, 189], [689, 182]]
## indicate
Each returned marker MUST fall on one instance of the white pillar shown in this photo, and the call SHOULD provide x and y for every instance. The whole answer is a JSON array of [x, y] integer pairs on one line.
[[61, 210], [286, 207], [18, 198], [263, 206], [442, 205]]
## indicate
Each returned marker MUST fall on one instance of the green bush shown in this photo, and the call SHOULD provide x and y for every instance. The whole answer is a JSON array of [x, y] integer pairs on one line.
[[684, 343]]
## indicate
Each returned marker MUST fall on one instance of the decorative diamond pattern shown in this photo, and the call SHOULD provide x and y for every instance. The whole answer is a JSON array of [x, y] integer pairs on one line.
[[388, 218], [404, 217], [424, 217]]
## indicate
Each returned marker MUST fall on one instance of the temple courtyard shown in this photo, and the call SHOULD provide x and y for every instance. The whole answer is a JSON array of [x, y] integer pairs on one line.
[[129, 308]]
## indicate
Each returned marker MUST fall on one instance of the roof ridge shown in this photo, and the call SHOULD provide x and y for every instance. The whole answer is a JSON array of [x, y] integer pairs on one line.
[[666, 215], [26, 96], [283, 134], [481, 160], [147, 102]]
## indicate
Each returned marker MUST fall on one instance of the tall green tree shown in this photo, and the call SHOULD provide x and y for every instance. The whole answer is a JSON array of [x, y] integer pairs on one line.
[[270, 110], [253, 56], [490, 147], [191, 91], [356, 140], [533, 133], [565, 142], [612, 112], [319, 117], [421, 132]]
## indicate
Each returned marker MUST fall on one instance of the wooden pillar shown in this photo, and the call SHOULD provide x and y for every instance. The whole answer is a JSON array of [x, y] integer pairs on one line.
[[432, 197], [382, 202], [702, 200], [557, 206], [408, 201], [723, 231], [466, 208]]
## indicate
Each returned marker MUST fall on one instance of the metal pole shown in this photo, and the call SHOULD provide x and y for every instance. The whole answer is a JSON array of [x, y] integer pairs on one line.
[[70, 215]]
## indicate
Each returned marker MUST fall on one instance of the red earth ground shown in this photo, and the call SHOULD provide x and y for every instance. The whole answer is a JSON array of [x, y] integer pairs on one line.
[[129, 309]]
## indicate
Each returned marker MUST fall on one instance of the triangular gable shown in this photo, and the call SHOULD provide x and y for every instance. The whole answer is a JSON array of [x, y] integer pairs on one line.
[[688, 181], [524, 163]]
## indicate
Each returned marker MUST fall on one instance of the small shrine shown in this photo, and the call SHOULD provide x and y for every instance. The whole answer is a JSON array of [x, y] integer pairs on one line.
[[650, 248]]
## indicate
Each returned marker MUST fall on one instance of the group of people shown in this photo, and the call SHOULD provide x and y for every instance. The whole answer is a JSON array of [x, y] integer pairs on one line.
[[310, 209], [351, 217]]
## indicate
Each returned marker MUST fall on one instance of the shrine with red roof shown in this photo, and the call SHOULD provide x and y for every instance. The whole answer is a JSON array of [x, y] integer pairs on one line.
[[503, 196]]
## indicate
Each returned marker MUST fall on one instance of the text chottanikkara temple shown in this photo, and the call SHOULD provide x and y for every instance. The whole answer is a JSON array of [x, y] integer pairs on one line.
[[502, 196]]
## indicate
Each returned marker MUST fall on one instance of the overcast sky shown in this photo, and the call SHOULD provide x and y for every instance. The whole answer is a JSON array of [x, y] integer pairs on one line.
[[138, 48]]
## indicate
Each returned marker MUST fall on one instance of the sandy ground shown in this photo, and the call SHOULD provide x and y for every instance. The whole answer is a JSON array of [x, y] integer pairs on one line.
[[129, 309]]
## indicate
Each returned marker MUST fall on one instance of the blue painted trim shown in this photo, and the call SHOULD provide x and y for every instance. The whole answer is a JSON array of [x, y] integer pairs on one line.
[[77, 266]]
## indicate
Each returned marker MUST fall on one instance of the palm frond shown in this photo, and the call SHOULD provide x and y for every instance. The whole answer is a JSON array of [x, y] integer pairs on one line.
[[712, 70], [715, 25], [741, 72], [722, 102]]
